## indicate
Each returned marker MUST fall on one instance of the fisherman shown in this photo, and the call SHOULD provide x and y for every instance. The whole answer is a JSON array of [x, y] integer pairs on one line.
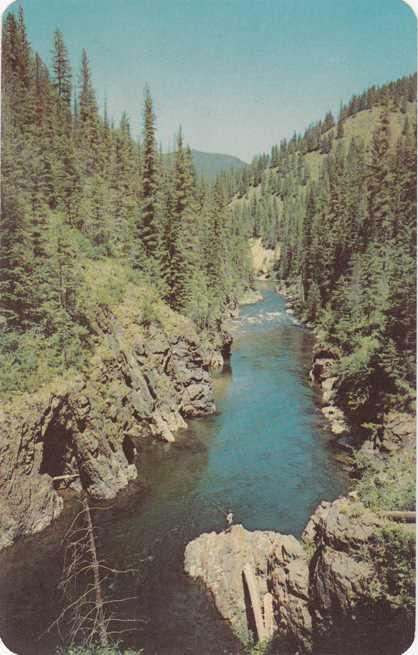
[[229, 519]]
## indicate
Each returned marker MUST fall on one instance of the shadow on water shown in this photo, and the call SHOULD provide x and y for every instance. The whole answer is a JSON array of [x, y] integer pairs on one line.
[[265, 456]]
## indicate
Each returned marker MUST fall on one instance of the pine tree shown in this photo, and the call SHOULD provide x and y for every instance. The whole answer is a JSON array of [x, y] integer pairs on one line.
[[88, 119], [306, 262], [147, 227], [62, 77], [184, 225], [16, 291], [378, 181]]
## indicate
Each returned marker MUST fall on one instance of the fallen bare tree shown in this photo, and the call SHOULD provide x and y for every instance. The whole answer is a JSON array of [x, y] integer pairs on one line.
[[88, 622]]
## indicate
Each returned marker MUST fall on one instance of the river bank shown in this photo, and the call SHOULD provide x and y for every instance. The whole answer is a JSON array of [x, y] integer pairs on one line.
[[82, 432], [265, 455], [385, 438], [351, 575]]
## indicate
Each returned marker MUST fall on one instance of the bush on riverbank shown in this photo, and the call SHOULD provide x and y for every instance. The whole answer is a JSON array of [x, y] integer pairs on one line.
[[387, 484]]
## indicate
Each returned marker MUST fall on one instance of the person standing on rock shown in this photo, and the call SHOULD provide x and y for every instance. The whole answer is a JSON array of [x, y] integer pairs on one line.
[[229, 519]]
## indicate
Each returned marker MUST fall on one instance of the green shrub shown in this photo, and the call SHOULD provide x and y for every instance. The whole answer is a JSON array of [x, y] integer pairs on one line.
[[393, 556], [387, 485], [31, 359]]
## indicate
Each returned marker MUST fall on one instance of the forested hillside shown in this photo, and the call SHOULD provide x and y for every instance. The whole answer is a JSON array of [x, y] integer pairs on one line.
[[341, 202], [82, 199], [84, 202], [210, 164]]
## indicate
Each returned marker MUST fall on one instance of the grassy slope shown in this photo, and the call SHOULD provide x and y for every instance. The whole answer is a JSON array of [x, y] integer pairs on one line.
[[108, 285], [362, 125]]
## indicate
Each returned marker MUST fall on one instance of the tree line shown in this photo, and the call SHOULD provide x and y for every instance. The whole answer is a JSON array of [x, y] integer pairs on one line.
[[77, 187], [347, 234]]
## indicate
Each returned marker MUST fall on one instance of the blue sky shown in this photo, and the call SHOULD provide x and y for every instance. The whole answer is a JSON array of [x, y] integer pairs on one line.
[[238, 75]]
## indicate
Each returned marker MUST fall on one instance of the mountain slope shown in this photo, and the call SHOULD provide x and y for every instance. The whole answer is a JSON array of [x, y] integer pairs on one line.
[[341, 202], [210, 164]]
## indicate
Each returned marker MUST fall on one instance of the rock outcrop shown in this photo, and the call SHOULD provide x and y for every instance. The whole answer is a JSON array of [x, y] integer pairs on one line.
[[321, 373], [84, 432], [338, 534], [263, 259], [398, 432], [316, 583], [218, 559]]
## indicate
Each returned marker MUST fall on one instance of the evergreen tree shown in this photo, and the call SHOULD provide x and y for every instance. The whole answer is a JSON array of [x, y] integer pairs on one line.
[[62, 77], [88, 119], [147, 228], [15, 284], [378, 182]]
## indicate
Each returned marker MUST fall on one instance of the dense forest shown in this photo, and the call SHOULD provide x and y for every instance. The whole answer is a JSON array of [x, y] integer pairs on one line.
[[341, 202], [82, 201]]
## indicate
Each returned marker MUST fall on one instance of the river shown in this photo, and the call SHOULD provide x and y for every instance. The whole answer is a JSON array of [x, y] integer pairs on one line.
[[266, 456]]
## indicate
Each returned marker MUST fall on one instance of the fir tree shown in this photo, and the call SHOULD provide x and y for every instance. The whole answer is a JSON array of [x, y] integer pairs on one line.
[[61, 69], [147, 229], [88, 120]]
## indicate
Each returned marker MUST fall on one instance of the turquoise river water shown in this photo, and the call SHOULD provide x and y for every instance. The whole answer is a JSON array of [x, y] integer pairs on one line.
[[266, 456]]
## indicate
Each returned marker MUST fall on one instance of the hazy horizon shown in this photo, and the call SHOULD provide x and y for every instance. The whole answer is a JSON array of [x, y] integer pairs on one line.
[[237, 75]]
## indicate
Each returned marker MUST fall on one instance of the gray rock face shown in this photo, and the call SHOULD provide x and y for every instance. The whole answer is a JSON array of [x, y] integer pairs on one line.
[[399, 431], [321, 374], [289, 583], [89, 429], [28, 508], [342, 525], [218, 559], [339, 574], [313, 585]]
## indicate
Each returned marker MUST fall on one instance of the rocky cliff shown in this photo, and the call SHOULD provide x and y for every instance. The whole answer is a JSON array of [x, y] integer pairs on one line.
[[263, 259], [142, 382], [322, 586]]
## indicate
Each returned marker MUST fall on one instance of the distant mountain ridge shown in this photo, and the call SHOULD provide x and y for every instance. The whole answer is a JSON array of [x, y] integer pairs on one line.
[[209, 164]]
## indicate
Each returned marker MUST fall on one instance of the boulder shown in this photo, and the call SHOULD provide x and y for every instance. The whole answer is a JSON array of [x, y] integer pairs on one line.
[[346, 524], [218, 560], [399, 431], [336, 418], [329, 390], [280, 567], [315, 585], [321, 368]]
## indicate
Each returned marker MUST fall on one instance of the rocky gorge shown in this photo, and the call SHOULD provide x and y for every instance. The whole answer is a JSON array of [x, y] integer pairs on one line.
[[330, 590], [145, 379], [323, 587], [395, 426], [83, 432]]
